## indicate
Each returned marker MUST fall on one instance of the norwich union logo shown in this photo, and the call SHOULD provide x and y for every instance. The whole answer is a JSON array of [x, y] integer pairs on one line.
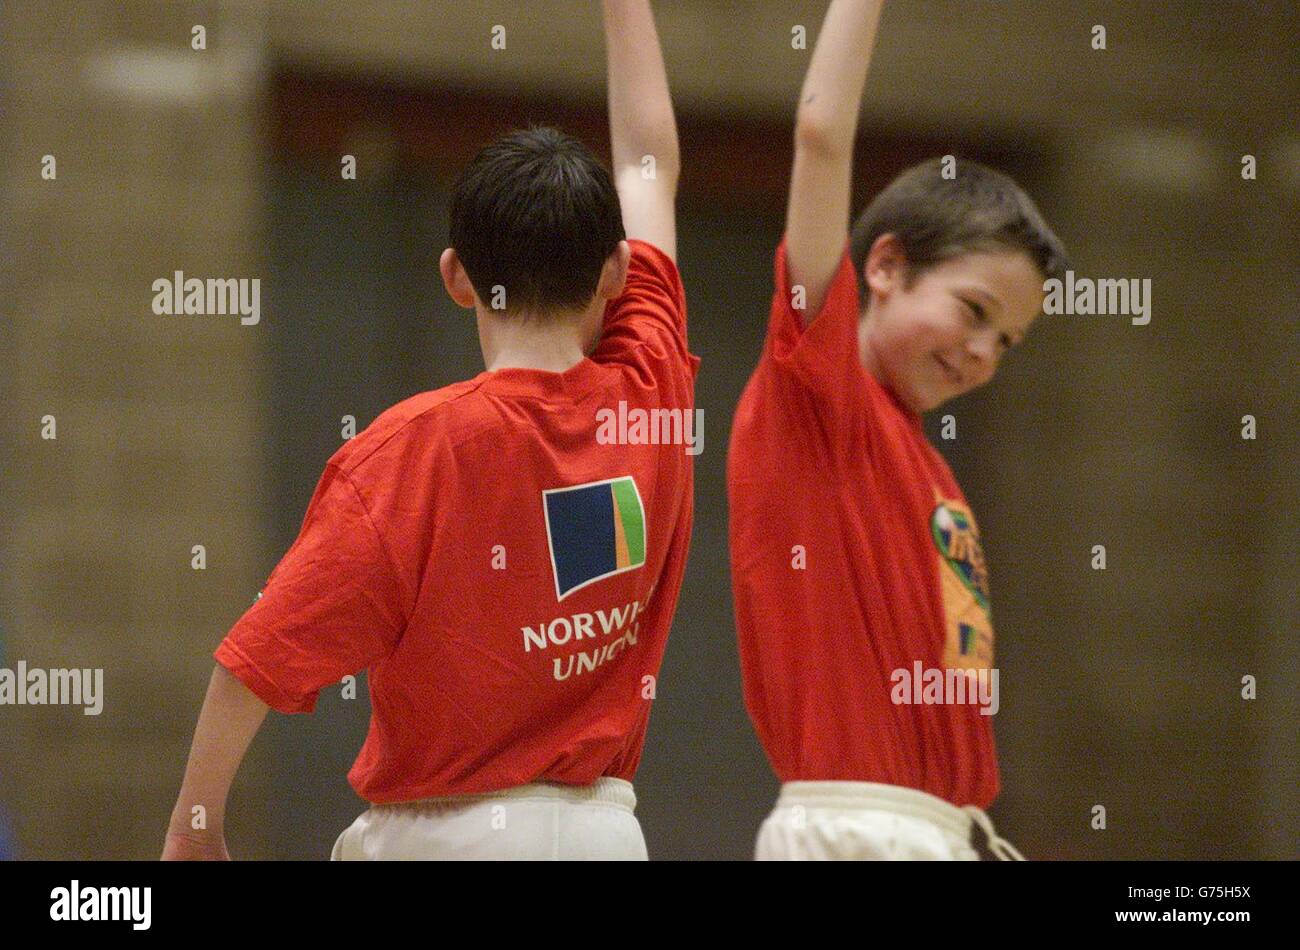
[[594, 531]]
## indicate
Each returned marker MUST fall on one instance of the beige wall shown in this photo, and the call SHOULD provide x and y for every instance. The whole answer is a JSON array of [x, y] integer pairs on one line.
[[944, 62], [156, 445]]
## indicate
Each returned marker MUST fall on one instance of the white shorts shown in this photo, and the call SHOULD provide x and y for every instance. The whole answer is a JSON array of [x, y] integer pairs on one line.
[[532, 823], [867, 821]]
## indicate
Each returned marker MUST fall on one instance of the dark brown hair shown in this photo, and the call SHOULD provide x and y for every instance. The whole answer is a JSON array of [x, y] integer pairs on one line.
[[534, 212], [936, 219]]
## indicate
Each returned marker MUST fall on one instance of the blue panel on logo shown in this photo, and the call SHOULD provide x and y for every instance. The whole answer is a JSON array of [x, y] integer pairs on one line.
[[581, 525], [967, 634]]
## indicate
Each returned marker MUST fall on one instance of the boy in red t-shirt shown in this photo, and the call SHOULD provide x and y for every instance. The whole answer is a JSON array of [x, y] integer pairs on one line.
[[501, 556], [861, 595]]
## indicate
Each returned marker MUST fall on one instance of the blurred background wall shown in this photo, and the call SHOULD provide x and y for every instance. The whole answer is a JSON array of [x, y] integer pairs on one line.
[[1120, 687]]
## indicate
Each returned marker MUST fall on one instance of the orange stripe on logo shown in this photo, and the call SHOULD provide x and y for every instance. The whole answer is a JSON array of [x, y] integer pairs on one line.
[[620, 534]]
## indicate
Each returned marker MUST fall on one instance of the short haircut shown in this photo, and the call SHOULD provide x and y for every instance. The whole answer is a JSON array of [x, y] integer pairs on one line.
[[535, 213], [936, 219]]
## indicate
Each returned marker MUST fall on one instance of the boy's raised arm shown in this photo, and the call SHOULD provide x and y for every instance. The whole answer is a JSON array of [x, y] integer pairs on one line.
[[643, 131], [821, 189]]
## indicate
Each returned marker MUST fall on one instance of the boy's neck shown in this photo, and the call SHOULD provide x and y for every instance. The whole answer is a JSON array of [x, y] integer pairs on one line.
[[553, 346], [552, 361], [871, 362]]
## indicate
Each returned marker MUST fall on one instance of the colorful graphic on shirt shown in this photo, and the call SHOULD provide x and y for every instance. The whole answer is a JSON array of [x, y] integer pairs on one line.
[[964, 580], [595, 531]]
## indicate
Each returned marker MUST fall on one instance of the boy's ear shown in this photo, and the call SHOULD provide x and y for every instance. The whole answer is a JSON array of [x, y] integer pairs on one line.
[[613, 276], [455, 279], [885, 268]]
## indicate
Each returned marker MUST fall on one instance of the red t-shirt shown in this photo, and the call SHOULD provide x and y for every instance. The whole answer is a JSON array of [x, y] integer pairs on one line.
[[506, 570], [853, 555]]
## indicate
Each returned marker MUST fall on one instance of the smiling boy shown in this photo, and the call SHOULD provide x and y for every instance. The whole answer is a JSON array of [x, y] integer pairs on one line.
[[854, 553]]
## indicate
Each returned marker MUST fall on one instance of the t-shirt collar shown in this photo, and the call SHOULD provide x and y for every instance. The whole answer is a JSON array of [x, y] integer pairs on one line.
[[577, 380]]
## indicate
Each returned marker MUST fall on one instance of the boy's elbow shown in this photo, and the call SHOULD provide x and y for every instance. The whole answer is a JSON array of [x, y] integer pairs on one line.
[[815, 135], [660, 161], [635, 183], [661, 140]]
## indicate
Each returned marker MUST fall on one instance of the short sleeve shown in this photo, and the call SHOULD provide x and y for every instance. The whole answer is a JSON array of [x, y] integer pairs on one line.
[[825, 355], [331, 607], [651, 311], [810, 384]]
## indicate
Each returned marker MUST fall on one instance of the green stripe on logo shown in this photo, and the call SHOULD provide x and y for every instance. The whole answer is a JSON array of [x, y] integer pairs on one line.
[[629, 512]]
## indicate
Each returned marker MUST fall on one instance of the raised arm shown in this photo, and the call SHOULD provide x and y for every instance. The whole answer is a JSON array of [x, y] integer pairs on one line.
[[643, 131], [817, 216]]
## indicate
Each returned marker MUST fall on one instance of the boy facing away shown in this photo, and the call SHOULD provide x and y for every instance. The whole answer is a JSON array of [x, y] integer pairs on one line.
[[854, 554], [508, 579]]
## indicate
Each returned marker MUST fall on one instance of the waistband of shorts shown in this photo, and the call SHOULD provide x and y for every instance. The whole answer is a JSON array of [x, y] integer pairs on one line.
[[876, 796], [605, 790]]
